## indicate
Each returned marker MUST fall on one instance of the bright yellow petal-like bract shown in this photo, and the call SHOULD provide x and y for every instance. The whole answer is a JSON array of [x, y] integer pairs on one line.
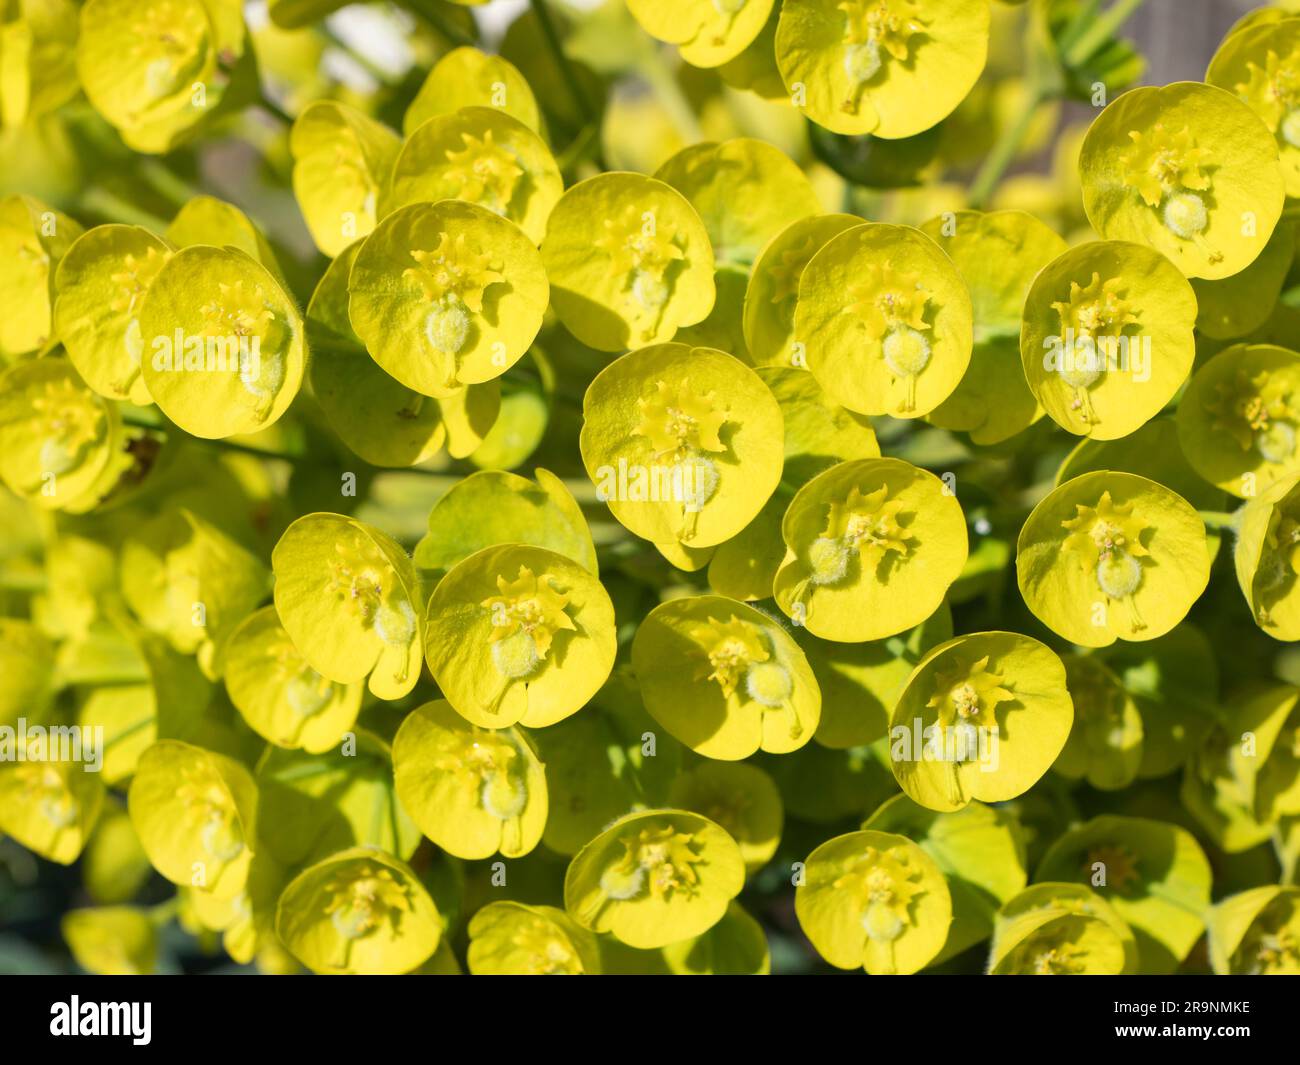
[[724, 678], [1107, 337], [654, 877], [102, 282], [359, 911], [982, 716], [684, 444], [483, 156], [891, 68], [350, 600], [1261, 65], [281, 697], [33, 239], [770, 297], [519, 634], [466, 77], [998, 255], [872, 546], [342, 160], [473, 791], [1267, 560], [446, 295], [156, 69], [514, 939], [708, 32], [223, 344], [629, 262], [1239, 418], [745, 190], [1060, 929], [1187, 169], [1110, 556], [885, 321], [874, 900], [49, 801], [195, 812], [58, 439], [1253, 932]]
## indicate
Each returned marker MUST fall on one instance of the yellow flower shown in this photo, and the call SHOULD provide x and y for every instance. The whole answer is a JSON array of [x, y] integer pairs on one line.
[[454, 273], [1273, 92], [527, 613], [732, 648], [659, 860], [642, 249], [680, 425], [965, 696], [487, 172], [1163, 163], [867, 524], [871, 26], [1255, 411]]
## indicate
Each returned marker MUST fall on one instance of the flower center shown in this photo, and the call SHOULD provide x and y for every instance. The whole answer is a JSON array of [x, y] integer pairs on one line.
[[526, 615], [964, 699], [883, 888], [209, 805], [1273, 92], [681, 424], [548, 953], [46, 789], [874, 29], [362, 900], [453, 277], [865, 524], [1271, 944], [492, 764], [1255, 412], [1169, 172], [660, 862], [644, 251], [488, 172], [68, 423], [1119, 864], [891, 306], [1107, 539]]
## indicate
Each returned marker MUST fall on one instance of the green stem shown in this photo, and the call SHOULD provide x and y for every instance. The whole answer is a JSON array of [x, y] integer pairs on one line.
[[274, 110], [1100, 31], [368, 65], [547, 24], [578, 147], [435, 18], [1005, 150], [1218, 519], [164, 911], [144, 422], [167, 183], [99, 201]]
